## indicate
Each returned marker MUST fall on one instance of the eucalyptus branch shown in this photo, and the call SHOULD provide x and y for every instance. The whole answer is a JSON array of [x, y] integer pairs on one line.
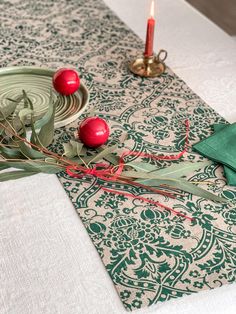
[[33, 161], [41, 149]]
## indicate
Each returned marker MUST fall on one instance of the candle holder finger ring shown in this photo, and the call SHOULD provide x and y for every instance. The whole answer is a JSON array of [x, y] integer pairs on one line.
[[149, 66]]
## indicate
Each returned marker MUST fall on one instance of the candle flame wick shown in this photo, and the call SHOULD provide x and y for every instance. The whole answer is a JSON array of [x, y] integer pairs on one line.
[[152, 9]]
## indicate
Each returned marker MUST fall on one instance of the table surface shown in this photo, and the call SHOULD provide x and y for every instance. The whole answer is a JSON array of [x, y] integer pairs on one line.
[[47, 262]]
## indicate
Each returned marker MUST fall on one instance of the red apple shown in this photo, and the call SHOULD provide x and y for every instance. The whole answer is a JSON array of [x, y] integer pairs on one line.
[[66, 81]]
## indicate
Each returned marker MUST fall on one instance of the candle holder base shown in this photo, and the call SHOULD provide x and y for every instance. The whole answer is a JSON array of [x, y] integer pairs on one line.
[[151, 66]]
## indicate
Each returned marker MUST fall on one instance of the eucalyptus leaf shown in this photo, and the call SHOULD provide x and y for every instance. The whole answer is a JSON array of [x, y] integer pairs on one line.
[[13, 175], [30, 104], [17, 100], [23, 115], [182, 169], [18, 126], [79, 147], [34, 139], [29, 152], [141, 175], [10, 153], [72, 149], [34, 166], [112, 158], [2, 128], [46, 132], [44, 167], [175, 171], [41, 122], [68, 150], [27, 101], [3, 166], [21, 119], [45, 135], [16, 164], [88, 159], [8, 129], [7, 110], [83, 151], [184, 186], [82, 160], [103, 153], [10, 108], [142, 166]]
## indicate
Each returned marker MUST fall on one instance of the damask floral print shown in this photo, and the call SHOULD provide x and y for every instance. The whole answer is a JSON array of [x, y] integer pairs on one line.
[[150, 255]]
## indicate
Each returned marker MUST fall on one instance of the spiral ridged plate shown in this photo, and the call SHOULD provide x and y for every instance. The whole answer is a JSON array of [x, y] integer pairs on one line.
[[37, 82]]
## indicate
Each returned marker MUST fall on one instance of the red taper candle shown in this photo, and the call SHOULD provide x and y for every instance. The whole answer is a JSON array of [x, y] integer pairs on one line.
[[150, 33]]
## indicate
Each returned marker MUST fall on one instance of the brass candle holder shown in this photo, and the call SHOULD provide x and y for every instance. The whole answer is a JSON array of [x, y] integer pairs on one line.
[[151, 66]]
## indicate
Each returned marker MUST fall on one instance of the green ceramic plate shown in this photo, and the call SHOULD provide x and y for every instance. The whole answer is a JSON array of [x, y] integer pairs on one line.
[[37, 82]]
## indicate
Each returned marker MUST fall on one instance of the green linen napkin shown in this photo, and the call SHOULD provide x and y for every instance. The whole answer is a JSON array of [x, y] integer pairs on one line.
[[221, 147]]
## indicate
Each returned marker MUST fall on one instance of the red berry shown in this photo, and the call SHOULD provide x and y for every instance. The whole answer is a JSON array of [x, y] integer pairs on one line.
[[66, 81], [94, 132]]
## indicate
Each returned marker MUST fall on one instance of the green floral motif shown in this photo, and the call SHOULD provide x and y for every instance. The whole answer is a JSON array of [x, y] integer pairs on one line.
[[194, 273], [198, 284], [230, 216], [150, 254], [136, 303], [125, 294], [177, 231]]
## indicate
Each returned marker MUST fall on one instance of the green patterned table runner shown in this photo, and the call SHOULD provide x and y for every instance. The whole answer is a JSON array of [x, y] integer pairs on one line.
[[150, 254]]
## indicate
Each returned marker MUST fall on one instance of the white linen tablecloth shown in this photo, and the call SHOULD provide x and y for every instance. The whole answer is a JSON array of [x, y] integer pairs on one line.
[[47, 262]]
